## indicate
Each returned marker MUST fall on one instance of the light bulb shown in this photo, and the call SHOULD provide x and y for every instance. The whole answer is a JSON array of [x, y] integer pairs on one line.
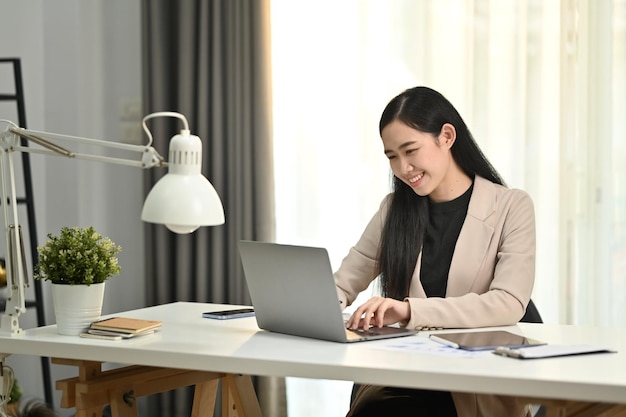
[[181, 229]]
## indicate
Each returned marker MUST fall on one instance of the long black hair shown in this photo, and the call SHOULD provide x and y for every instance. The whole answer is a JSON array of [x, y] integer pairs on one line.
[[425, 110]]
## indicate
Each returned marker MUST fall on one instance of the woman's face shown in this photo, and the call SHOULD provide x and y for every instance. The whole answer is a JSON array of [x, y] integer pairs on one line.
[[420, 159]]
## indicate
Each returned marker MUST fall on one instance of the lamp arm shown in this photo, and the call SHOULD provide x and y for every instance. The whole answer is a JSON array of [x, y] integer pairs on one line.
[[17, 281], [149, 156], [17, 277]]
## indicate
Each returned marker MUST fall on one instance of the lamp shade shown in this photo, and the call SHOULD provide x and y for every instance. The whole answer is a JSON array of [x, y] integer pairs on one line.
[[184, 199]]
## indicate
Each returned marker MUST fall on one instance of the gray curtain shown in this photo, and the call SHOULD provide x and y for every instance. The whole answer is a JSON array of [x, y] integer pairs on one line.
[[209, 60]]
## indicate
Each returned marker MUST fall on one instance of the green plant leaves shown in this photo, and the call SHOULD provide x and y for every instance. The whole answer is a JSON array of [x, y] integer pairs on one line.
[[78, 256]]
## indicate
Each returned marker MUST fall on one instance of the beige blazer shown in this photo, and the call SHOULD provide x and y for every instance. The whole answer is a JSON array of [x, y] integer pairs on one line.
[[490, 280]]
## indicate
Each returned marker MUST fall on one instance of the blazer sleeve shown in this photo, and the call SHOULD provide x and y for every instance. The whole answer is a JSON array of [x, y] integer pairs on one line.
[[359, 268]]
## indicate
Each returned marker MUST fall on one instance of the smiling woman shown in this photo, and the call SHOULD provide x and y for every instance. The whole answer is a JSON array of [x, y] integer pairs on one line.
[[523, 74], [448, 209]]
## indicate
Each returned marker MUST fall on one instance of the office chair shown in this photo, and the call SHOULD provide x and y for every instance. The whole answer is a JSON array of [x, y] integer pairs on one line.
[[530, 316]]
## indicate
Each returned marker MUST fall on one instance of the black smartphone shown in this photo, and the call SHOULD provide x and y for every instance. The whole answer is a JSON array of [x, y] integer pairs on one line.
[[229, 314]]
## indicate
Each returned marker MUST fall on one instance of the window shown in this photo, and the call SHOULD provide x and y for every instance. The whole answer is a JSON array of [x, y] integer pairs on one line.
[[542, 85]]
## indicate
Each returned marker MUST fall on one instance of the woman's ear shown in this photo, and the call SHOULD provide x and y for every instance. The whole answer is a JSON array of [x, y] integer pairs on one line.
[[447, 136]]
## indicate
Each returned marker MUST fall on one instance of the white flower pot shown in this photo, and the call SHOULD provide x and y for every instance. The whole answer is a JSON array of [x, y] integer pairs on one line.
[[76, 306]]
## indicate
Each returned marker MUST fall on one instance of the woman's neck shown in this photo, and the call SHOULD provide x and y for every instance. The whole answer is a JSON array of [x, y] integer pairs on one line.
[[454, 185]]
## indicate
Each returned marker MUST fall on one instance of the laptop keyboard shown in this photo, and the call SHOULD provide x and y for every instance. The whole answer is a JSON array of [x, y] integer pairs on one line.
[[360, 334], [366, 332]]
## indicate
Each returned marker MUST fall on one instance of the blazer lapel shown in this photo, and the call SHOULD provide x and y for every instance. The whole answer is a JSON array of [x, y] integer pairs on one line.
[[474, 239]]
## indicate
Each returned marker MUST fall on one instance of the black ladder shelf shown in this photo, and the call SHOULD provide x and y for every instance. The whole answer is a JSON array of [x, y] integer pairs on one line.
[[28, 201]]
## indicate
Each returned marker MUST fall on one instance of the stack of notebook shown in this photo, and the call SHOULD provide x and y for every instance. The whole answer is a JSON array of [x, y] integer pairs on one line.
[[117, 328]]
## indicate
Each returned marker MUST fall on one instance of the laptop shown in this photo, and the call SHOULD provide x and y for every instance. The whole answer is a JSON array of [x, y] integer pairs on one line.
[[293, 292]]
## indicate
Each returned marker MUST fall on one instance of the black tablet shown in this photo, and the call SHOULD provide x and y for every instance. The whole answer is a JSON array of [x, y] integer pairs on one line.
[[484, 340]]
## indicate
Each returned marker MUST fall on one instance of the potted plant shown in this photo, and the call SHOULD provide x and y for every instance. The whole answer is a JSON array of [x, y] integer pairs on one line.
[[77, 262]]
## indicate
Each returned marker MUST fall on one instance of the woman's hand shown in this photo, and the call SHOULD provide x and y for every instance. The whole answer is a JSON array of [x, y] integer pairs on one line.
[[379, 312]]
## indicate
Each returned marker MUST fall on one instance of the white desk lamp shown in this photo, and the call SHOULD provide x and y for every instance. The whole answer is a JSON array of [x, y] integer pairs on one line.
[[182, 200]]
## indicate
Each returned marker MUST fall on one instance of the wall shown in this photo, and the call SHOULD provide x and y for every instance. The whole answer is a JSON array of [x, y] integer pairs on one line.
[[81, 63]]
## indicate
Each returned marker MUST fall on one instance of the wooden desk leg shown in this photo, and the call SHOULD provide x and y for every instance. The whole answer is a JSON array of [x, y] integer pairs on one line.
[[238, 397], [123, 402], [120, 387], [87, 370], [204, 399], [91, 412]]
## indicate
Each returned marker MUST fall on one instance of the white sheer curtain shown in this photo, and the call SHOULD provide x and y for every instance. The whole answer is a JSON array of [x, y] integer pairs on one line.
[[542, 85]]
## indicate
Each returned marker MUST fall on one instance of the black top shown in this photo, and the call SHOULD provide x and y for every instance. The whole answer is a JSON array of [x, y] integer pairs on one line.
[[442, 232]]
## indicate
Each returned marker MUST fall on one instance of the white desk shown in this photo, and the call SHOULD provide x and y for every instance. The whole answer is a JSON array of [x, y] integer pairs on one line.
[[188, 341]]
